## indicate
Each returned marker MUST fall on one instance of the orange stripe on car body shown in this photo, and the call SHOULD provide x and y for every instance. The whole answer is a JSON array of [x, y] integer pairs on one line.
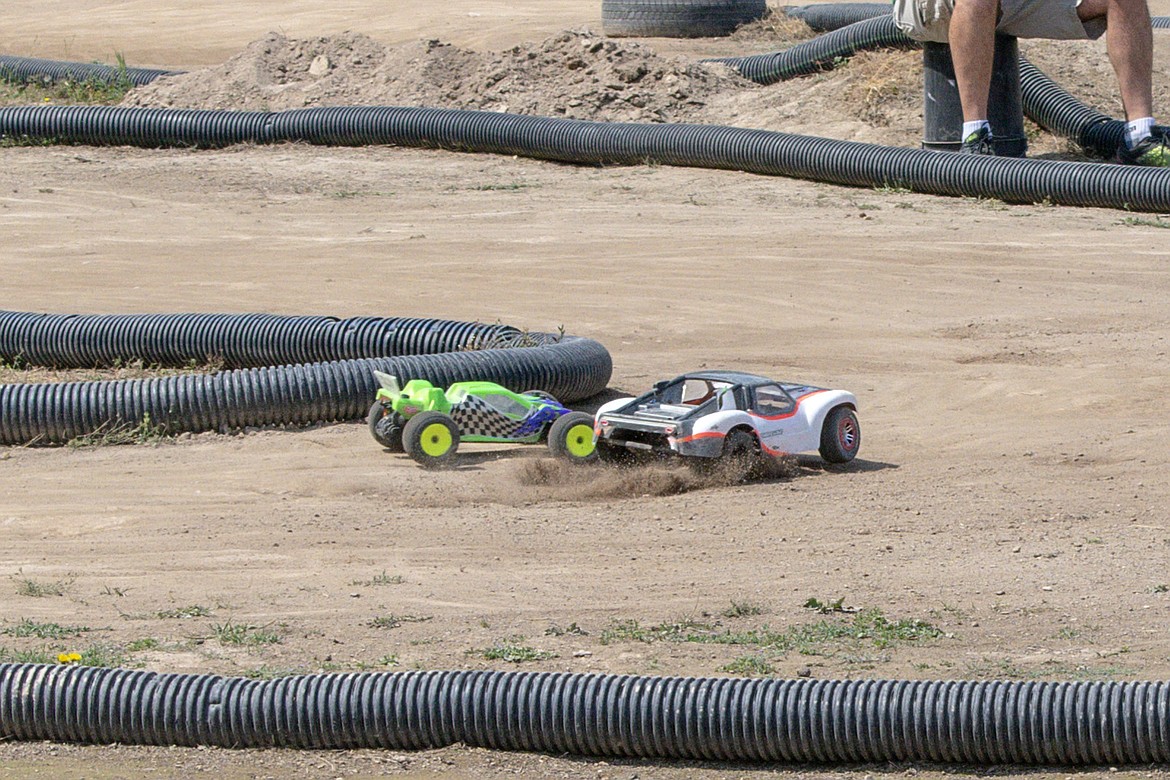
[[705, 435]]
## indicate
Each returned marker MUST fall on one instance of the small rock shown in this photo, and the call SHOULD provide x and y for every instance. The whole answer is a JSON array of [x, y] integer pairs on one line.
[[804, 672], [582, 654], [320, 66]]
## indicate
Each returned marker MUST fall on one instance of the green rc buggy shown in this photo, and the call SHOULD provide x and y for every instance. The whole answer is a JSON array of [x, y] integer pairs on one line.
[[428, 423]]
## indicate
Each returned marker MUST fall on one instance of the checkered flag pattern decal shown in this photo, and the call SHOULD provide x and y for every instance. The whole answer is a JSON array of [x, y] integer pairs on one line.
[[476, 418]]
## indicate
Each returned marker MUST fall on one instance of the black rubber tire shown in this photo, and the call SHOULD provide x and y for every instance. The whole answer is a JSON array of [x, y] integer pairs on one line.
[[385, 426], [419, 438], [567, 437], [677, 18], [741, 456], [840, 436]]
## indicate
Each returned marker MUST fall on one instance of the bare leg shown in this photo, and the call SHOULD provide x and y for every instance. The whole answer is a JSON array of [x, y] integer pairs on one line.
[[1131, 50], [972, 40]]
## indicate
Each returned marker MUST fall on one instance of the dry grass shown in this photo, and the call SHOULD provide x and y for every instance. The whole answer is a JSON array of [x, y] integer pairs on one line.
[[881, 83]]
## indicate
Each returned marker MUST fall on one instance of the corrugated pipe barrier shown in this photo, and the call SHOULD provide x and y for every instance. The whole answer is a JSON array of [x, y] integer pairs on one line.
[[25, 70], [824, 17], [566, 140], [822, 52], [332, 378], [1052, 723], [597, 143]]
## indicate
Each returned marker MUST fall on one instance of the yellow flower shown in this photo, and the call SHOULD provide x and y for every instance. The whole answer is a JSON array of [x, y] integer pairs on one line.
[[68, 658]]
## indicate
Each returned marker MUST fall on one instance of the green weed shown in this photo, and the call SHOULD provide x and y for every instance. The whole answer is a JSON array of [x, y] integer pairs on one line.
[[379, 580], [110, 434], [632, 631], [749, 666], [244, 635], [866, 627], [140, 645], [42, 656], [513, 651], [103, 655], [742, 609], [34, 589], [183, 613], [1157, 222], [394, 621], [825, 607], [28, 628]]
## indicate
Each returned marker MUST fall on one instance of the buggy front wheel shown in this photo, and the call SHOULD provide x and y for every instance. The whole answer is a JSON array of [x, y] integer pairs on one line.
[[431, 439], [571, 437]]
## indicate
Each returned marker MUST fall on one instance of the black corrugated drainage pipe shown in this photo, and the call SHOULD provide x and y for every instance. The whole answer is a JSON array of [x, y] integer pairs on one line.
[[569, 140], [23, 70], [728, 719], [825, 17], [822, 52], [331, 378]]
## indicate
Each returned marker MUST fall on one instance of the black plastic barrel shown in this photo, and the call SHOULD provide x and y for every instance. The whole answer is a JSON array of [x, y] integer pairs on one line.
[[942, 113]]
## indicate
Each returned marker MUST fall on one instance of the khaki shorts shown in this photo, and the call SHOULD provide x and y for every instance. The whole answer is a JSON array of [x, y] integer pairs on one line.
[[929, 20]]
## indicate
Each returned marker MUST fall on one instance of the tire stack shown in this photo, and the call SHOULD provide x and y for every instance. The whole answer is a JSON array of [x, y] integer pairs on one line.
[[677, 18]]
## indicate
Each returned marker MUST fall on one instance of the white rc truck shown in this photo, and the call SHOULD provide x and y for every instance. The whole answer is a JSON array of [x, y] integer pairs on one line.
[[711, 416]]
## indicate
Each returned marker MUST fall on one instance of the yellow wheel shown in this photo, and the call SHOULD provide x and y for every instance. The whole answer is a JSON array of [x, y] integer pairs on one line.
[[431, 439], [571, 437]]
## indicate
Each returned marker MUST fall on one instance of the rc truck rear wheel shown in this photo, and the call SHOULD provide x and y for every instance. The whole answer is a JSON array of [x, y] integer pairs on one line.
[[571, 437], [741, 456], [385, 426], [840, 436], [431, 439]]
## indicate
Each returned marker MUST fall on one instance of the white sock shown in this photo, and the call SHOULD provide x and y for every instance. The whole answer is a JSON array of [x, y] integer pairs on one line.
[[973, 127], [1138, 130]]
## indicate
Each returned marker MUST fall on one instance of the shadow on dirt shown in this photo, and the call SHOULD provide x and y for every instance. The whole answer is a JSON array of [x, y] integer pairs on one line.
[[811, 463]]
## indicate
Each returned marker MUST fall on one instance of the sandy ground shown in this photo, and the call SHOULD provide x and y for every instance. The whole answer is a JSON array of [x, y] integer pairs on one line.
[[1010, 363]]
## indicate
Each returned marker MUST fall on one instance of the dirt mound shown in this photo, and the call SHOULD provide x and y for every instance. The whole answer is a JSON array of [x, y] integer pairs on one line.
[[575, 74]]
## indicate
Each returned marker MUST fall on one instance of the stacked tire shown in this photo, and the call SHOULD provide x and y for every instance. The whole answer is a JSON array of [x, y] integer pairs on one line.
[[677, 18]]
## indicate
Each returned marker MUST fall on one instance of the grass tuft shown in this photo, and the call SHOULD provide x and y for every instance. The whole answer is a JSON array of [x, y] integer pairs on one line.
[[394, 621], [34, 589], [184, 613], [513, 651], [110, 434], [749, 666], [28, 628], [244, 635]]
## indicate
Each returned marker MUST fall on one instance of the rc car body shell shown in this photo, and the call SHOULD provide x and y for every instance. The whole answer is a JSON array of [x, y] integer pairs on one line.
[[691, 416], [483, 411]]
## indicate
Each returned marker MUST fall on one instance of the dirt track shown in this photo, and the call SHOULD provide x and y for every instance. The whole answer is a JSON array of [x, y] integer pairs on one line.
[[1010, 363]]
